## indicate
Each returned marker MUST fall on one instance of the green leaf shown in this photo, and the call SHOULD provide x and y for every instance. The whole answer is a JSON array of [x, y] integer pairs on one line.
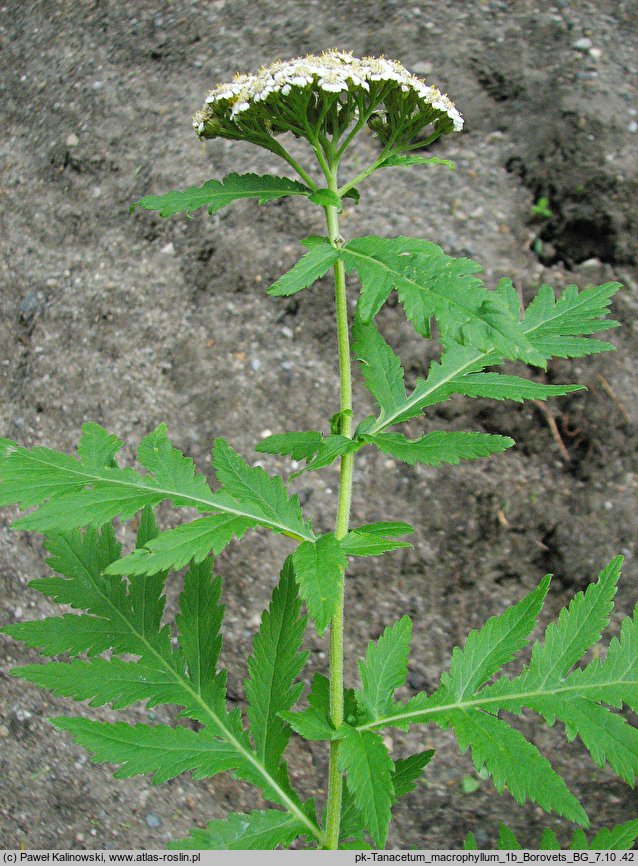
[[299, 446], [507, 840], [386, 528], [399, 159], [71, 495], [579, 841], [312, 266], [357, 543], [256, 831], [190, 542], [408, 771], [326, 198], [273, 667], [159, 749], [380, 366], [556, 326], [311, 724], [470, 843], [431, 284], [97, 448], [364, 758], [330, 448], [199, 622], [498, 386], [619, 838], [319, 569], [266, 495], [384, 669], [497, 643], [513, 762], [549, 840], [216, 194], [439, 447]]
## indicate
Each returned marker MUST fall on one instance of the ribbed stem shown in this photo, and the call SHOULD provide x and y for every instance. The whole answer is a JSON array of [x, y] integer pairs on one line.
[[335, 781]]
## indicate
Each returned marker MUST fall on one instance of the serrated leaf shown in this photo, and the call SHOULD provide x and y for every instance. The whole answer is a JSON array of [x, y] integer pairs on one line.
[[310, 724], [439, 447], [549, 840], [364, 759], [190, 542], [298, 446], [498, 386], [357, 543], [400, 159], [252, 486], [408, 771], [273, 668], [71, 495], [384, 669], [431, 284], [97, 447], [498, 641], [381, 367], [216, 194], [515, 763], [159, 749], [330, 448], [312, 266], [619, 838], [199, 622], [255, 831], [319, 569], [507, 840], [470, 843], [579, 626]]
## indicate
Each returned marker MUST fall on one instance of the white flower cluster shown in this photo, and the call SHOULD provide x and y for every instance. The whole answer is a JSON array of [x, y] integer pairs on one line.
[[332, 72]]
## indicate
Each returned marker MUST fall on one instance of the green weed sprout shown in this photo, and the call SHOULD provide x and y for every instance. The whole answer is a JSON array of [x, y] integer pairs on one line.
[[325, 100], [542, 209]]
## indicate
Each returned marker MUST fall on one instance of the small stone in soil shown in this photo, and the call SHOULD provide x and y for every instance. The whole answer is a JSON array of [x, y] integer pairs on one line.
[[153, 821]]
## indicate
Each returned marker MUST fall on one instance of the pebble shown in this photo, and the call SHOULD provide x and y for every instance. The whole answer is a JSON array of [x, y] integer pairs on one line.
[[169, 249], [22, 715], [265, 433], [286, 365], [595, 53], [18, 612], [4, 731], [255, 364], [287, 332], [72, 140], [632, 126], [583, 44], [29, 304], [153, 821]]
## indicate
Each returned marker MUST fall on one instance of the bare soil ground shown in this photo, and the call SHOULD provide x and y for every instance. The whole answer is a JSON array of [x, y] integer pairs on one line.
[[129, 321]]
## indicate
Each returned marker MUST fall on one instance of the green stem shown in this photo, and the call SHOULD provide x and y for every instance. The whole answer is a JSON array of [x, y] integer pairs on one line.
[[335, 781]]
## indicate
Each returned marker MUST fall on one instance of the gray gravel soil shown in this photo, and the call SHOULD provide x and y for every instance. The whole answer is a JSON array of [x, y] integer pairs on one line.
[[132, 320]]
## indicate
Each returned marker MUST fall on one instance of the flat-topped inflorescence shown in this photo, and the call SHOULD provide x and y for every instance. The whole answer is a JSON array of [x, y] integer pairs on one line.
[[324, 94]]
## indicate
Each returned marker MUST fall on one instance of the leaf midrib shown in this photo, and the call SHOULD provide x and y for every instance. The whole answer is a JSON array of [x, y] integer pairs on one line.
[[230, 738]]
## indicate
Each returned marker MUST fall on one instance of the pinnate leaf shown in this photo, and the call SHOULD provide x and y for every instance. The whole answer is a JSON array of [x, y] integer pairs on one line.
[[431, 284], [298, 446], [381, 367], [216, 194], [408, 771]]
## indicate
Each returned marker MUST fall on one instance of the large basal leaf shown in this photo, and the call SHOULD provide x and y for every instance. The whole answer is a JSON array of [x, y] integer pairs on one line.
[[216, 194]]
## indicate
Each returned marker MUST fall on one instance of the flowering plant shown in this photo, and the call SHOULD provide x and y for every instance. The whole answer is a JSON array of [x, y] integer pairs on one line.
[[327, 101]]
